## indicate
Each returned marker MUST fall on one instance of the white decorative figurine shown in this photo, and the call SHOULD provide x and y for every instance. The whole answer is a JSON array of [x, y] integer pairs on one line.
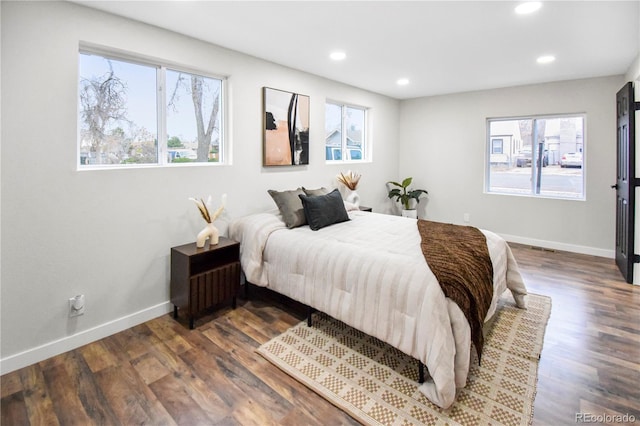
[[209, 232]]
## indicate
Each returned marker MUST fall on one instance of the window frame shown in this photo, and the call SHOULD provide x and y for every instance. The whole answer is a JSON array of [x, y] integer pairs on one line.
[[161, 67], [366, 138], [534, 166]]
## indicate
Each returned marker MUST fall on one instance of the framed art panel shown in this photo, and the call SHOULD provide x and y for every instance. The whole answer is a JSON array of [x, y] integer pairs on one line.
[[286, 128]]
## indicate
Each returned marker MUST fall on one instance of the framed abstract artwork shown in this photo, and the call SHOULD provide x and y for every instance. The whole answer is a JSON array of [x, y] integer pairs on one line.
[[286, 128]]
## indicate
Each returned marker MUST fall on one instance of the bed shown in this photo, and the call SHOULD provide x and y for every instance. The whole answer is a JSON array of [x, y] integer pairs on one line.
[[370, 273]]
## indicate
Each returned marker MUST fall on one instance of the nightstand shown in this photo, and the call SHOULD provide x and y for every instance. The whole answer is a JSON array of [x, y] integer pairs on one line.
[[204, 277], [365, 209]]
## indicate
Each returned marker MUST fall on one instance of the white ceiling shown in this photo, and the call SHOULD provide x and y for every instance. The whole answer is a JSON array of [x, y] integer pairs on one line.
[[440, 46]]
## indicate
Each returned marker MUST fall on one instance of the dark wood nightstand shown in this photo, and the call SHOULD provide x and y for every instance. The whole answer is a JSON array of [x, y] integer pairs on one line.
[[204, 277], [365, 209]]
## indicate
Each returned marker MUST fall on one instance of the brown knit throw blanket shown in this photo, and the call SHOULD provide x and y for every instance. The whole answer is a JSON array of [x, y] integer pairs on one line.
[[459, 258]]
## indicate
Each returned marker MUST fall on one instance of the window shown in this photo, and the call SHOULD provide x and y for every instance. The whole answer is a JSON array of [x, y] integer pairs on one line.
[[141, 114], [345, 132], [537, 156], [497, 145]]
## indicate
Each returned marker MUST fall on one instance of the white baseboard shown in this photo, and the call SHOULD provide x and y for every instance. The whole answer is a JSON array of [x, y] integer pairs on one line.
[[593, 251], [40, 353]]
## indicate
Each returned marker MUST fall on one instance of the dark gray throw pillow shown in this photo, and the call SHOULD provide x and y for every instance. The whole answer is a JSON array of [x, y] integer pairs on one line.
[[290, 207], [324, 210]]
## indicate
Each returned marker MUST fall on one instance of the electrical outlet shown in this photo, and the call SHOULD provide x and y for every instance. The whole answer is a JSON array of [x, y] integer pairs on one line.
[[76, 306], [467, 217]]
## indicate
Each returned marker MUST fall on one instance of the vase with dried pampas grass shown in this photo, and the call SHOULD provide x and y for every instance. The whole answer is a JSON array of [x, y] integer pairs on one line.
[[350, 181], [210, 232]]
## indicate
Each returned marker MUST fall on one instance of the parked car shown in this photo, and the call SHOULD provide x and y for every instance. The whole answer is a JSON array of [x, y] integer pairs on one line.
[[523, 159], [571, 159]]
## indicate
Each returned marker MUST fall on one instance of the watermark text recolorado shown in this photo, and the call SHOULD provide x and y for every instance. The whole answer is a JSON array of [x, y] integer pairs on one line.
[[605, 418]]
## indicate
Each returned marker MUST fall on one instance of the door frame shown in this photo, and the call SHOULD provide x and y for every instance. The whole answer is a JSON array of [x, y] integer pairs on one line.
[[626, 181]]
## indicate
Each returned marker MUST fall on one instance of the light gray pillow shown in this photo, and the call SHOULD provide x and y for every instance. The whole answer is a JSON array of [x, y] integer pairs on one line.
[[290, 206], [324, 210], [319, 191]]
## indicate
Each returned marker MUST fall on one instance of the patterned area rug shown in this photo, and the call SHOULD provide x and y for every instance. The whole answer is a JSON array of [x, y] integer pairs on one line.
[[377, 384]]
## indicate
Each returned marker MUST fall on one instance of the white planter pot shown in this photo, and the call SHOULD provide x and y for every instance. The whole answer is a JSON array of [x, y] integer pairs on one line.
[[413, 213]]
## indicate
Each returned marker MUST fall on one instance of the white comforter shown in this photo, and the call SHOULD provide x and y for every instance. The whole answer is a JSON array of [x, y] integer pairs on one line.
[[370, 273]]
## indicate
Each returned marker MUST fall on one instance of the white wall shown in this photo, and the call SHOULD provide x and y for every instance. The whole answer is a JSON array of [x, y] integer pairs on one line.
[[107, 234], [633, 74], [443, 148]]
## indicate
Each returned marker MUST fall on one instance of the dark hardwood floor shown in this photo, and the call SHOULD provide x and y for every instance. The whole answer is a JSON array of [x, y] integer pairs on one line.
[[160, 372]]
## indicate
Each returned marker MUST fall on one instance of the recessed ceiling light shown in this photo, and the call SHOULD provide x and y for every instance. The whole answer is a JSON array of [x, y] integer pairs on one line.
[[528, 7], [546, 59], [402, 82], [338, 55]]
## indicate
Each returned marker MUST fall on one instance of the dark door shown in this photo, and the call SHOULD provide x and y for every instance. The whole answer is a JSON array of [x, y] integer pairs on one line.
[[625, 182]]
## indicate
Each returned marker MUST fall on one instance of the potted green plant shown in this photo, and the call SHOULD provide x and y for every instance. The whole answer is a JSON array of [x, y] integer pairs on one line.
[[404, 195]]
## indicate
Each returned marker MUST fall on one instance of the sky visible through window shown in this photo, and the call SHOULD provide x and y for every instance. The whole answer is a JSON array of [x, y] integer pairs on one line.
[[333, 118]]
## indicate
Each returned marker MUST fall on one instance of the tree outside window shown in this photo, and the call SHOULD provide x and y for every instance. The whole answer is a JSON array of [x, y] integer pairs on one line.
[[126, 117]]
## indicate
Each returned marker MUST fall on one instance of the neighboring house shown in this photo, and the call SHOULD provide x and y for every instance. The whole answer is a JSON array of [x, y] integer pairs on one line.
[[333, 144], [506, 142]]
